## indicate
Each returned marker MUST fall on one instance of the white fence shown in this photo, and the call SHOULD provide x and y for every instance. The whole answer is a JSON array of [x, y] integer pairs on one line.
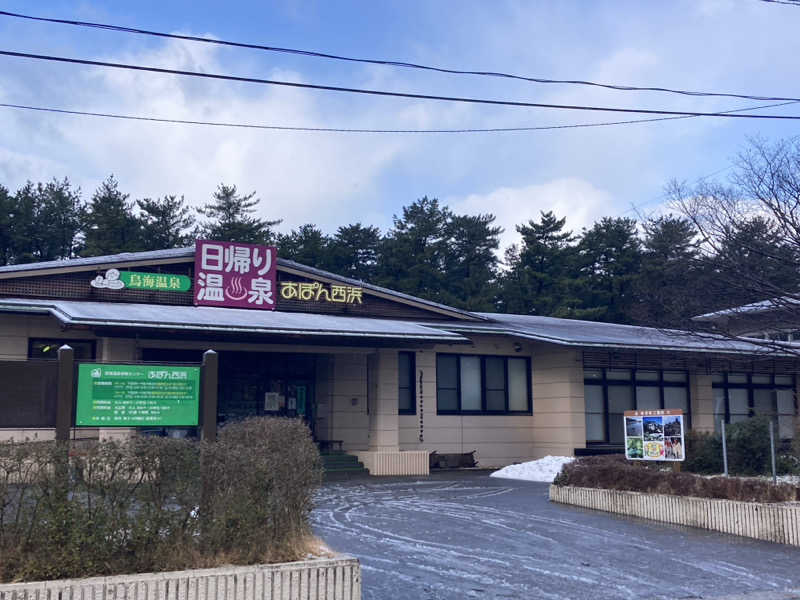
[[771, 522], [403, 462], [321, 579]]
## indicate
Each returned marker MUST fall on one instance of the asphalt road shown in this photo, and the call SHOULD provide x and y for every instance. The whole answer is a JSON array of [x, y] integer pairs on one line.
[[465, 535]]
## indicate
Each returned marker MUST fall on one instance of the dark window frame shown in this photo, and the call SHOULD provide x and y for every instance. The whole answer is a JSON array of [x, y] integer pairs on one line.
[[69, 342], [483, 410], [411, 384], [751, 387], [633, 383]]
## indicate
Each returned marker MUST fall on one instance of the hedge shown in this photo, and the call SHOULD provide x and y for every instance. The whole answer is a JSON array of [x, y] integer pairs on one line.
[[615, 472], [153, 504]]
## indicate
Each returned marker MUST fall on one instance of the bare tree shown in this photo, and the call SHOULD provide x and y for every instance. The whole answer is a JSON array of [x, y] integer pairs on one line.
[[749, 246]]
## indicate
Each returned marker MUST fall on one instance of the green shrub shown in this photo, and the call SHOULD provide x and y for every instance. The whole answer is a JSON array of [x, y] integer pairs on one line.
[[748, 447], [617, 473], [748, 451], [151, 504], [703, 453]]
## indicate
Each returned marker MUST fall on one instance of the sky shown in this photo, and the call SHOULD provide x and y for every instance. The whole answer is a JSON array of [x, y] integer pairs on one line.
[[334, 179]]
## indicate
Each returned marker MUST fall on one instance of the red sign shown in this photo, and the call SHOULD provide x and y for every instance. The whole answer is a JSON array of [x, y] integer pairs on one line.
[[235, 275]]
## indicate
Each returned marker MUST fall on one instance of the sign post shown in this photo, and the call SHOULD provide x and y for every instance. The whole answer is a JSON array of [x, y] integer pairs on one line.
[[111, 395], [66, 358], [210, 385], [654, 435]]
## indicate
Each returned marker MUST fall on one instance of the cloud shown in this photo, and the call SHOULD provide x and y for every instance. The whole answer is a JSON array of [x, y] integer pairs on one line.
[[579, 201], [300, 177]]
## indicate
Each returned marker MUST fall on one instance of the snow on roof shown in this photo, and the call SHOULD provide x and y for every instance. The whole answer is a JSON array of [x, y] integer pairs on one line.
[[750, 309], [573, 332], [224, 320]]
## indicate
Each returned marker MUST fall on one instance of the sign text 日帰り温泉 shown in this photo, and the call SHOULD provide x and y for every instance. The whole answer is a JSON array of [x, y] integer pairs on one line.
[[235, 275]]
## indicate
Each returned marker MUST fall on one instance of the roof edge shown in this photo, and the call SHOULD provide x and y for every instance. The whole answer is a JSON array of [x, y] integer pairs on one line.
[[186, 254]]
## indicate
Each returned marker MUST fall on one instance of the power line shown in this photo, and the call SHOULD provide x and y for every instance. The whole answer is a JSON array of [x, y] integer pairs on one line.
[[397, 63], [353, 130], [787, 2], [372, 92]]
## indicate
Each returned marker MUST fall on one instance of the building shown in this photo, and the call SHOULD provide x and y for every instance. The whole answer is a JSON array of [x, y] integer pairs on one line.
[[390, 376]]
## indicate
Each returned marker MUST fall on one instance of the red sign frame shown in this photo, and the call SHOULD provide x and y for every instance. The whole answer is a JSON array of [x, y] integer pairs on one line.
[[234, 275]]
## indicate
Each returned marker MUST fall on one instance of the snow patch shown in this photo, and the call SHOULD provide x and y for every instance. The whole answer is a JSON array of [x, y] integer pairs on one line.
[[545, 469]]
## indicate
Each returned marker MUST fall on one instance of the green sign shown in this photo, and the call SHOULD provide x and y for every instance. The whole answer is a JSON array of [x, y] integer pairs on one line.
[[137, 396], [158, 282]]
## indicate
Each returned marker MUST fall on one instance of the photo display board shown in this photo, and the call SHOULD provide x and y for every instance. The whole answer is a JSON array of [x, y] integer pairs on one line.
[[654, 435], [137, 396]]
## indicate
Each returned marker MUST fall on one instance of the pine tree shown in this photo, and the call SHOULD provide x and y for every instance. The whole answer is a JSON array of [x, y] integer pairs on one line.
[[355, 251], [230, 218], [306, 245], [109, 224], [610, 257], [167, 222], [540, 274], [666, 289], [6, 218], [470, 262], [414, 250]]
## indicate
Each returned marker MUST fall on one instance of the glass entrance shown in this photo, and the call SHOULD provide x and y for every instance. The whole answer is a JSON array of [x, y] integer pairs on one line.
[[256, 383]]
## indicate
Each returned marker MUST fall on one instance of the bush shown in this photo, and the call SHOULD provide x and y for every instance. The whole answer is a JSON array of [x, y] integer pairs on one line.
[[617, 473], [748, 451], [748, 447], [703, 453], [151, 504]]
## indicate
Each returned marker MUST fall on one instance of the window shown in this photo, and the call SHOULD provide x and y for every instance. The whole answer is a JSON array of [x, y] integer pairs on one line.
[[405, 377], [472, 384], [739, 396], [608, 393], [48, 348]]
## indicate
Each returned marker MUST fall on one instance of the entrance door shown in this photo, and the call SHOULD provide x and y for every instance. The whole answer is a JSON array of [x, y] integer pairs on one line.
[[299, 401]]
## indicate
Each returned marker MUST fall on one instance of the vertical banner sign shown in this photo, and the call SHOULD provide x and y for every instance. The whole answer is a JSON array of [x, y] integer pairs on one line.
[[235, 275], [654, 435]]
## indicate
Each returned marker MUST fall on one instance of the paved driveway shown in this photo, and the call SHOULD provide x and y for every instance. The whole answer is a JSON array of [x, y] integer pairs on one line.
[[465, 535]]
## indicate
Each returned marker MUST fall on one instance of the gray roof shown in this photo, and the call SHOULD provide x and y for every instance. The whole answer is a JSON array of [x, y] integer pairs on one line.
[[572, 332], [224, 320], [100, 260], [188, 252]]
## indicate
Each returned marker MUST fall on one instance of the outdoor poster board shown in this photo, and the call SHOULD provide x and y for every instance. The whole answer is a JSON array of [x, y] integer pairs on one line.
[[112, 395], [654, 435]]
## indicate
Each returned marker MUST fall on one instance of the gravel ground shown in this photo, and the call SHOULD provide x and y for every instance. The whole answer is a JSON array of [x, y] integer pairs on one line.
[[466, 535]]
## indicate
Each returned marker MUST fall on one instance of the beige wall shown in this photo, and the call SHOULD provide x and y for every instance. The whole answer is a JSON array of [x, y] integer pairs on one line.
[[556, 426], [356, 393], [559, 420], [702, 400], [15, 330], [349, 420]]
